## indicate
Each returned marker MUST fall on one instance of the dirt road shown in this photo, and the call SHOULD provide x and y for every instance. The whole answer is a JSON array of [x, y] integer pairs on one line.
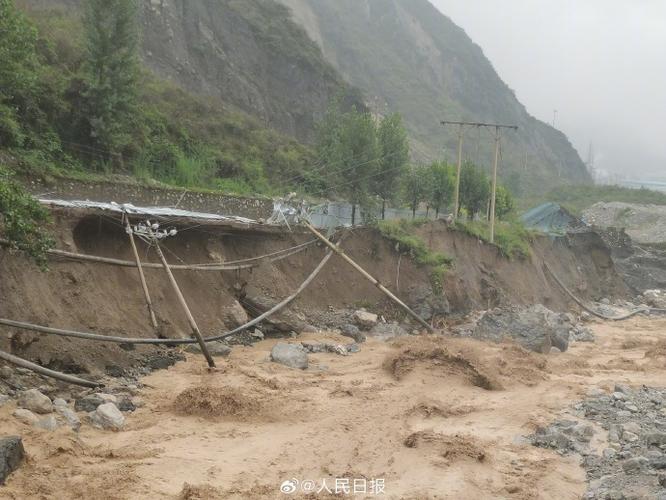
[[421, 417]]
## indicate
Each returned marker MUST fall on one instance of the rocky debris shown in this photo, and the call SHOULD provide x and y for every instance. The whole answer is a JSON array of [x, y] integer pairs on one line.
[[234, 315], [284, 321], [580, 333], [536, 327], [35, 401], [644, 223], [4, 399], [25, 416], [342, 350], [11, 456], [364, 319], [426, 303], [48, 423], [385, 331], [107, 416], [352, 332], [634, 420], [59, 402], [291, 355], [69, 416], [217, 349], [88, 403], [6, 373], [257, 334], [655, 298]]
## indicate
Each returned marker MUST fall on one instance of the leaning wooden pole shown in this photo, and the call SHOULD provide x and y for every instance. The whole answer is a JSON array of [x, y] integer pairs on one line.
[[183, 302], [369, 277], [144, 285]]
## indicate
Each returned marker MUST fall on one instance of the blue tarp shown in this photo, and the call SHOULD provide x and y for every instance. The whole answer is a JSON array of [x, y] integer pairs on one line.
[[551, 218]]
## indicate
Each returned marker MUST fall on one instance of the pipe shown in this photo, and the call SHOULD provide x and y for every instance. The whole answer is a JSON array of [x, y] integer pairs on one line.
[[226, 266], [368, 276], [70, 379], [592, 311], [126, 340]]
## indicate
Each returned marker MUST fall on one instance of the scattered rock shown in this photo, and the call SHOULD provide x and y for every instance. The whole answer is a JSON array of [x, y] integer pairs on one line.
[[536, 328], [291, 355], [59, 402], [325, 347], [70, 417], [365, 319], [107, 416], [635, 464], [353, 332], [4, 399], [257, 334], [88, 403], [6, 372], [25, 416], [35, 401], [385, 331], [48, 423], [655, 298], [11, 456], [217, 349]]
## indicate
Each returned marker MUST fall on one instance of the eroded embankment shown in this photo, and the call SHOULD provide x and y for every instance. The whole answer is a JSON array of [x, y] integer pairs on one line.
[[109, 300]]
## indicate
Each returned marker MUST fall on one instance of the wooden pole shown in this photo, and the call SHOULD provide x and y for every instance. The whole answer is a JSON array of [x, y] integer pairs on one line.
[[369, 277], [183, 302], [494, 193], [144, 285], [456, 202]]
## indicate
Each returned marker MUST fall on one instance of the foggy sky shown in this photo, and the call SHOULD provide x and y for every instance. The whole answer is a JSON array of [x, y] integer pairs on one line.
[[600, 63]]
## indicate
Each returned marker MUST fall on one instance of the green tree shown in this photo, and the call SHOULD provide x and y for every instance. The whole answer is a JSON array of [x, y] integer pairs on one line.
[[474, 189], [111, 71], [23, 219], [394, 155], [416, 187], [442, 184], [348, 152], [18, 73], [504, 203]]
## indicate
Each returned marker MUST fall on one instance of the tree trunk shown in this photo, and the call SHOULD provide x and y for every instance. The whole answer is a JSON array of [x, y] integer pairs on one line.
[[383, 208], [436, 213], [353, 213], [414, 209]]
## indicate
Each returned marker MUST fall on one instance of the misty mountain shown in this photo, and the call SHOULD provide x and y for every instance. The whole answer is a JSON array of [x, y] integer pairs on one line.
[[284, 63], [408, 57]]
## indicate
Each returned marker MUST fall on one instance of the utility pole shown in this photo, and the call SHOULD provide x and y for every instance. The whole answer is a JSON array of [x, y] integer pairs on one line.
[[497, 128]]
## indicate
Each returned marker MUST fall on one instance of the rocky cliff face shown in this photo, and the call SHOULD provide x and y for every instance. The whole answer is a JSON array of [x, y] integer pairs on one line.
[[406, 56], [249, 53]]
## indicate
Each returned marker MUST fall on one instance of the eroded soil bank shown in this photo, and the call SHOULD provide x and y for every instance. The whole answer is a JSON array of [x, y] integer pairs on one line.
[[109, 300]]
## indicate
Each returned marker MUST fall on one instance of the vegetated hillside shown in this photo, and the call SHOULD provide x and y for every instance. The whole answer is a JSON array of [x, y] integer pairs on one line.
[[408, 57], [249, 53]]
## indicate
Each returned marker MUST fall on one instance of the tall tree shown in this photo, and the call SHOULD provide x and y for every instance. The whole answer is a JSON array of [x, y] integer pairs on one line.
[[348, 152], [111, 70], [394, 155], [442, 184], [474, 189], [18, 73], [416, 187]]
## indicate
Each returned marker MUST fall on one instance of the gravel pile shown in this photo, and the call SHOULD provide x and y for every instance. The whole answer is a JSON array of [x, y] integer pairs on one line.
[[631, 424]]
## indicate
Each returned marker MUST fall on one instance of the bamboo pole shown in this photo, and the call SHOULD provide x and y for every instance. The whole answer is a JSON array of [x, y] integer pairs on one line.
[[70, 379], [144, 285], [183, 302], [369, 277]]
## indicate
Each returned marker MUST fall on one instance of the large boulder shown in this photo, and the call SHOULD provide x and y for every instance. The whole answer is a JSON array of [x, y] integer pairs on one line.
[[291, 355], [234, 315], [35, 401], [11, 456], [89, 403], [386, 331], [365, 319], [536, 328], [25, 416], [353, 332], [107, 416]]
